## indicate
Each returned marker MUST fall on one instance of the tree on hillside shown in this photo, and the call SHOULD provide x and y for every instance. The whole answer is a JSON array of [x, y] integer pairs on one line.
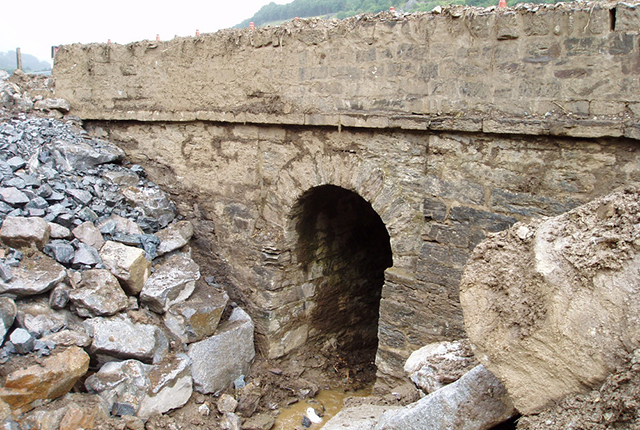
[[30, 63]]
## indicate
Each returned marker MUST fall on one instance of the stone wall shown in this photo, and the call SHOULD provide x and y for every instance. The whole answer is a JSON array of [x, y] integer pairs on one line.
[[438, 195], [480, 67]]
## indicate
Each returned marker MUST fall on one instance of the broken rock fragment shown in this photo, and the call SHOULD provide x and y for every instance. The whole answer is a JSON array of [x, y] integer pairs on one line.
[[141, 389], [98, 294], [19, 232], [438, 364], [89, 234], [36, 274], [175, 236], [172, 282], [8, 312], [120, 338], [128, 264], [197, 318], [26, 388], [222, 358]]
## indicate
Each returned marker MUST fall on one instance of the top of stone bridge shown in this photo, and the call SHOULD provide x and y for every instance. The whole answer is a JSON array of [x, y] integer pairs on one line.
[[568, 69]]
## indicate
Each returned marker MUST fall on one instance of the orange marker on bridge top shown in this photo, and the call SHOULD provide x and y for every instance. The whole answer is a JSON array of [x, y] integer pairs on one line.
[[502, 3]]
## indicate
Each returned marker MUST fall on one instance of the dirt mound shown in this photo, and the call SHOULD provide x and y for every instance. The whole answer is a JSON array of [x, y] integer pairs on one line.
[[615, 405]]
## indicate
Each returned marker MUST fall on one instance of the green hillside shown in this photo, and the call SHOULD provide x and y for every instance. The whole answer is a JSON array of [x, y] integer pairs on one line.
[[274, 13]]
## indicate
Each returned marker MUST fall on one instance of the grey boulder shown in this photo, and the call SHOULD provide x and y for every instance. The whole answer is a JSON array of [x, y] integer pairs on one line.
[[36, 274], [222, 358], [172, 282], [19, 232], [477, 401], [98, 294], [120, 338]]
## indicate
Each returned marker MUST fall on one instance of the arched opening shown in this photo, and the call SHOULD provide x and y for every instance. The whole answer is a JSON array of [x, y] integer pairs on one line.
[[343, 250]]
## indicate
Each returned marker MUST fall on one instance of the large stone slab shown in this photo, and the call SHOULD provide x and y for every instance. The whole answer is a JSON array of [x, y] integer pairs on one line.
[[198, 317], [477, 401], [36, 274], [551, 306], [132, 387], [128, 264], [171, 282], [175, 236], [98, 294], [121, 338], [435, 365], [19, 232], [362, 417], [222, 358], [26, 388]]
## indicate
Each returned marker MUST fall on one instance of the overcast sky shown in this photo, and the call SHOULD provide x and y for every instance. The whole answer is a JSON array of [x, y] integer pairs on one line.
[[35, 25]]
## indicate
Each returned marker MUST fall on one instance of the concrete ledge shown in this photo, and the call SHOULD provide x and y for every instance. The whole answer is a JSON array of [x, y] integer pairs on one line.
[[584, 128]]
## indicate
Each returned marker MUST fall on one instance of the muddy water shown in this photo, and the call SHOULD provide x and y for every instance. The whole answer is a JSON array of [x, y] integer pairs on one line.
[[290, 418]]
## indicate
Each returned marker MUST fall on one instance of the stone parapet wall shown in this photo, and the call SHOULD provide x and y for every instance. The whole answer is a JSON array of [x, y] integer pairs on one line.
[[570, 69]]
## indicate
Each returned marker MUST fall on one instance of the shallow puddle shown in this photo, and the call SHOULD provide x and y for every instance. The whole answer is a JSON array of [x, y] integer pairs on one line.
[[290, 418]]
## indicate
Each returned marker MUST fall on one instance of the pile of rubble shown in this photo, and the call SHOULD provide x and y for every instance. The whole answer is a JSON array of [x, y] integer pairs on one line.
[[98, 290]]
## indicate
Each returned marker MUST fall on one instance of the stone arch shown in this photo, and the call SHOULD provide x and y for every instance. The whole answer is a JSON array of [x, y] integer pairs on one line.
[[288, 324], [341, 253]]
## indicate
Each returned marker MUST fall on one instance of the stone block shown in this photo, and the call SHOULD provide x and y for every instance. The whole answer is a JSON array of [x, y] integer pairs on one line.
[[98, 294], [627, 17], [522, 204], [121, 338], [460, 190], [605, 107], [507, 27], [56, 375], [222, 358], [434, 209], [19, 232], [197, 318], [128, 264], [515, 126], [578, 107], [476, 401], [480, 219], [172, 282], [36, 274]]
